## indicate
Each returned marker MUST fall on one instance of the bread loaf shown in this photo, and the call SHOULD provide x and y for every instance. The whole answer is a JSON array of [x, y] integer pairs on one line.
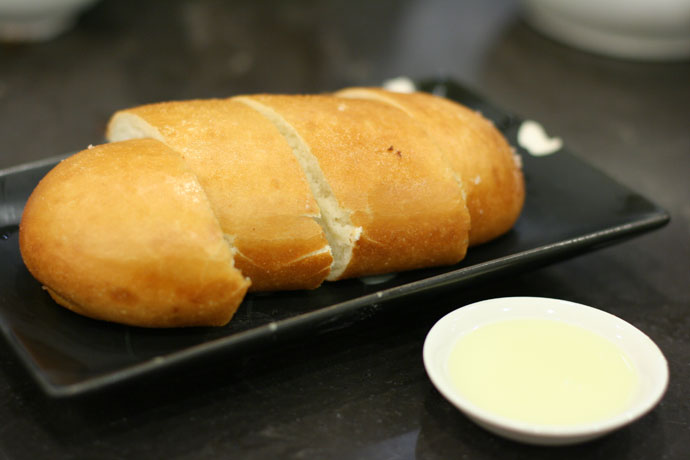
[[193, 202]]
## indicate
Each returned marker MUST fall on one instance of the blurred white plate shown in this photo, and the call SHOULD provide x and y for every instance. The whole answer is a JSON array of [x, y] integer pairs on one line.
[[38, 20], [635, 29]]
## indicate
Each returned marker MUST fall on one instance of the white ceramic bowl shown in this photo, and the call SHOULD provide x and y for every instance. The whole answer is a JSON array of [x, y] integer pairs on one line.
[[37, 20], [637, 29], [643, 353]]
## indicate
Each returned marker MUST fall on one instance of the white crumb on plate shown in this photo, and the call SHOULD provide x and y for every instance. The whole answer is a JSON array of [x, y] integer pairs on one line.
[[400, 85], [533, 138]]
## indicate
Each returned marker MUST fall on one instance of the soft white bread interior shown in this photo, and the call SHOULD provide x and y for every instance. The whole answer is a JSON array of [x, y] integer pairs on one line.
[[253, 181], [124, 232], [476, 151], [388, 200]]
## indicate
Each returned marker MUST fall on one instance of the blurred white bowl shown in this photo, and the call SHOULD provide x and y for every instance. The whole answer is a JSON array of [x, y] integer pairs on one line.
[[37, 20], [637, 29], [643, 353]]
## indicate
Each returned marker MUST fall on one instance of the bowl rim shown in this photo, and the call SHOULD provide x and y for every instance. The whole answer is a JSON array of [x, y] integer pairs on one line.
[[447, 330]]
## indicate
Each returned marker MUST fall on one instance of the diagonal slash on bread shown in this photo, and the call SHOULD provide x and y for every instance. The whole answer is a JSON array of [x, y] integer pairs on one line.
[[254, 183], [386, 195]]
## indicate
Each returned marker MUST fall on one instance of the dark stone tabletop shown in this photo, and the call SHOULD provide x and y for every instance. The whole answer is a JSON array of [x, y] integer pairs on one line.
[[360, 392]]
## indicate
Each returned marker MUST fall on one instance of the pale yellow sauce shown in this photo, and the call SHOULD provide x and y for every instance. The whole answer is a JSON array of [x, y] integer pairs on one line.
[[542, 371]]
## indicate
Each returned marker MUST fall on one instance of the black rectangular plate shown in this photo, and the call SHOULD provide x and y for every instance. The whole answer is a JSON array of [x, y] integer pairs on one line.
[[570, 208]]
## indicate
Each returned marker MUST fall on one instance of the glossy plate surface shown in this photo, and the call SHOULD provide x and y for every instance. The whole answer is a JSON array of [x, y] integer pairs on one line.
[[570, 208]]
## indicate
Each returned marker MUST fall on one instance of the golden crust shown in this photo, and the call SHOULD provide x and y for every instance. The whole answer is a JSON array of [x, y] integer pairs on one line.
[[123, 232], [382, 168], [474, 149], [254, 184]]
